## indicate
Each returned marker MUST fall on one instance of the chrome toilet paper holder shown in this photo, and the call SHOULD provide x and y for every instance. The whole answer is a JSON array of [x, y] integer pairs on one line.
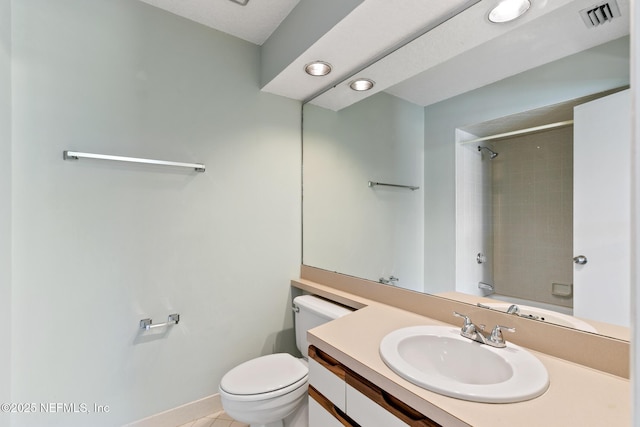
[[148, 324]]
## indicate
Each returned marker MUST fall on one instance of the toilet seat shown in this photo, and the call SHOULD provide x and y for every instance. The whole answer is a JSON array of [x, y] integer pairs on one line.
[[265, 377]]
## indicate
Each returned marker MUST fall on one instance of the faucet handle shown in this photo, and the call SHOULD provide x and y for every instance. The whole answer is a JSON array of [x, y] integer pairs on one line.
[[467, 321], [496, 338], [468, 327]]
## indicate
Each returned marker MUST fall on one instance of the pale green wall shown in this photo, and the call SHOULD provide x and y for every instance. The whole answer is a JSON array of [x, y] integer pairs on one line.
[[594, 70], [101, 245], [5, 206], [349, 227]]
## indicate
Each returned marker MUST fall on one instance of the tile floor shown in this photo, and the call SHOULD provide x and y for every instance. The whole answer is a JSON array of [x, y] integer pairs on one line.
[[219, 419]]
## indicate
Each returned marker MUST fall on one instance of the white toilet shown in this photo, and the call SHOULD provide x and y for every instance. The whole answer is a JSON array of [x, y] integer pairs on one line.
[[271, 391]]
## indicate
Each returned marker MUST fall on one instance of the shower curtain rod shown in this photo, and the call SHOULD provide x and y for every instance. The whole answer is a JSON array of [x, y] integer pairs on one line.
[[520, 132]]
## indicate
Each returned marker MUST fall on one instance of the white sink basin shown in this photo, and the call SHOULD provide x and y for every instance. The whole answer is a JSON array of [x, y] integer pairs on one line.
[[545, 316], [439, 359]]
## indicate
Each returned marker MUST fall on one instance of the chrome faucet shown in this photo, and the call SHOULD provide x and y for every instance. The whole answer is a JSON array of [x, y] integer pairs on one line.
[[514, 309], [475, 332]]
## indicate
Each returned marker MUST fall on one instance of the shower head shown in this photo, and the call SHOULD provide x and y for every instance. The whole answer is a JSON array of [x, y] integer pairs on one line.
[[492, 154]]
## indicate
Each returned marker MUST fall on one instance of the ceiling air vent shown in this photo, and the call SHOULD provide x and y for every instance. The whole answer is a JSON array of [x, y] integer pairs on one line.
[[599, 14]]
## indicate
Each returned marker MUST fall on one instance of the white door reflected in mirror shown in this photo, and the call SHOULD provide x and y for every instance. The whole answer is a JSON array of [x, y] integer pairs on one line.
[[601, 209]]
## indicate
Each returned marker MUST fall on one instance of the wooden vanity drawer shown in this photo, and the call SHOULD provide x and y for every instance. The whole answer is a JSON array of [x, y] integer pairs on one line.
[[337, 393], [327, 376], [322, 413], [371, 406]]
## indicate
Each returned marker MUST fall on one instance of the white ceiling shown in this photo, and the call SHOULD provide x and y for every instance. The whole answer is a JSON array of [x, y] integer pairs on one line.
[[544, 35], [373, 28], [468, 52], [254, 22], [464, 53]]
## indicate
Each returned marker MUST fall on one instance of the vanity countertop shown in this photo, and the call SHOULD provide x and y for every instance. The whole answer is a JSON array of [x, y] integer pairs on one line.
[[577, 395]]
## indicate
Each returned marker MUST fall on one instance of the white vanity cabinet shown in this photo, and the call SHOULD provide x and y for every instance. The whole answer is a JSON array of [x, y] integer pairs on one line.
[[327, 391], [322, 413], [328, 377], [339, 397]]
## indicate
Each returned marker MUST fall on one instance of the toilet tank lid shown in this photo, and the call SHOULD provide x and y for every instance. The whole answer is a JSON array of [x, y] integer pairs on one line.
[[264, 374], [321, 306]]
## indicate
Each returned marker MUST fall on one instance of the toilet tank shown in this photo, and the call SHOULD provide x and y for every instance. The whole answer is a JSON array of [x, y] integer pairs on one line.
[[311, 311]]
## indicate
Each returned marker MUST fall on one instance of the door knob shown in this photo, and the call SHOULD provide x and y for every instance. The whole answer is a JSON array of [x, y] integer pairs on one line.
[[580, 259]]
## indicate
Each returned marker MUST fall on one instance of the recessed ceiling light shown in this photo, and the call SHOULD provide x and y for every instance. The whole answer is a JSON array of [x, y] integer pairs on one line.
[[361, 84], [508, 10], [318, 68]]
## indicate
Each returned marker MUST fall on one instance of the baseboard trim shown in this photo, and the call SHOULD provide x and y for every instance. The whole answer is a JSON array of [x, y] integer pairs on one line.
[[182, 414]]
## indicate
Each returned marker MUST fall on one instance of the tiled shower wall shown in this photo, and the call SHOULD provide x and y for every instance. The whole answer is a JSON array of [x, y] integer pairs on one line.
[[532, 181]]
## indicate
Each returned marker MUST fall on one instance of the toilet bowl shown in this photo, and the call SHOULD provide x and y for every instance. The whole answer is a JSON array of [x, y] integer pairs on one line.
[[265, 390], [271, 391]]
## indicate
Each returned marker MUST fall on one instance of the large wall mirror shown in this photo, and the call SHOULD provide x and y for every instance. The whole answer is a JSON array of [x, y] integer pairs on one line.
[[489, 164]]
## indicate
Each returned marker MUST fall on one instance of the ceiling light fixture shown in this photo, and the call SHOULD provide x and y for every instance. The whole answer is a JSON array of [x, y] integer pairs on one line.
[[240, 2], [508, 10], [318, 68], [361, 84]]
